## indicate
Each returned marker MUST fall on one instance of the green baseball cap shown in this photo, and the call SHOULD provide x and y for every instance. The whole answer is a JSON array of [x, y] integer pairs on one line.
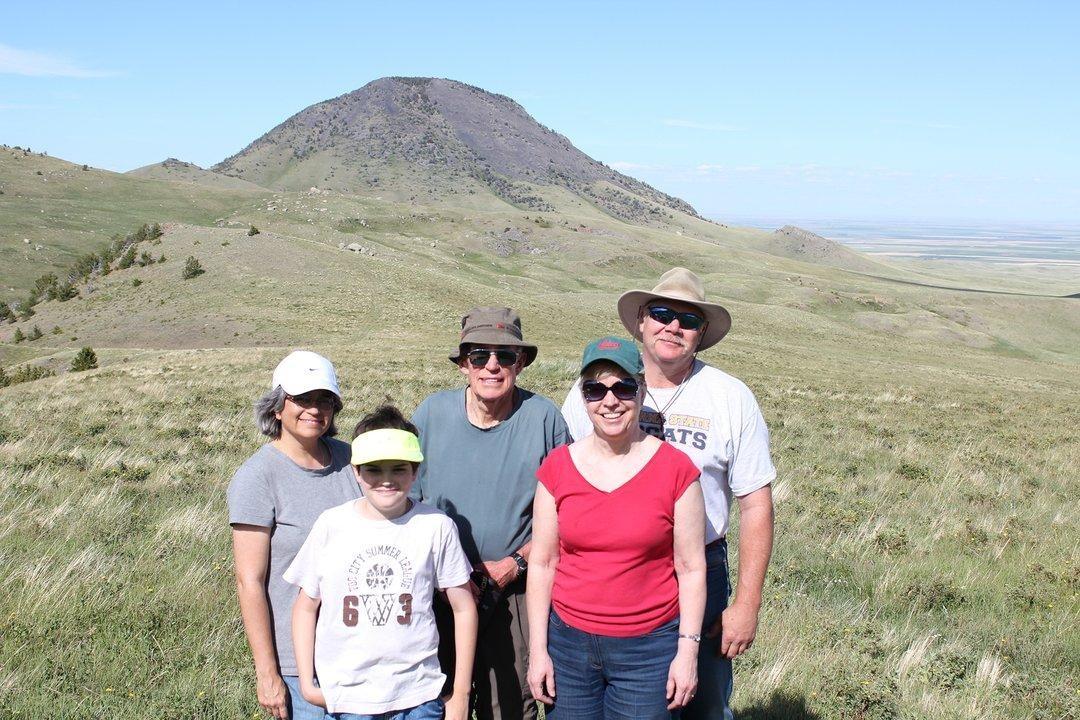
[[621, 351]]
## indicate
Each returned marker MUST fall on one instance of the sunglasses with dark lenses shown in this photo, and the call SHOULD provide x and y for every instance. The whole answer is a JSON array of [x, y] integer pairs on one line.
[[664, 316], [478, 357], [625, 389], [321, 400]]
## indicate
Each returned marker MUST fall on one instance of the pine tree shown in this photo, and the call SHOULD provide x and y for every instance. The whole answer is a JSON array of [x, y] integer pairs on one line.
[[65, 291], [253, 231], [35, 333], [192, 268], [19, 336], [86, 359], [127, 259]]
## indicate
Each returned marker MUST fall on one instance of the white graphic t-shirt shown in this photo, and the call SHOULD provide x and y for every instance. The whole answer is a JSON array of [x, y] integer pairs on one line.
[[712, 417], [375, 640]]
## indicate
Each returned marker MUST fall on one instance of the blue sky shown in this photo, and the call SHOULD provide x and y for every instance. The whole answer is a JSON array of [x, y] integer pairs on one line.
[[795, 111]]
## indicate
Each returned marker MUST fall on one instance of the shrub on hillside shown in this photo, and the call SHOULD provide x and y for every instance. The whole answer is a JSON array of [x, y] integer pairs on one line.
[[253, 231], [146, 259], [29, 373], [85, 359], [35, 333], [136, 282], [4, 379], [127, 259], [19, 335], [192, 268], [66, 291], [45, 287], [5, 313], [26, 308]]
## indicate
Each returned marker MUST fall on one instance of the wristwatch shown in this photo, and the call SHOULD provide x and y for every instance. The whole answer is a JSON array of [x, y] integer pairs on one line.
[[696, 637], [521, 563]]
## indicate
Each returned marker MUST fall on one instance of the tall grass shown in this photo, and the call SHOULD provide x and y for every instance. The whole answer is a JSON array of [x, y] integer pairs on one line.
[[926, 558]]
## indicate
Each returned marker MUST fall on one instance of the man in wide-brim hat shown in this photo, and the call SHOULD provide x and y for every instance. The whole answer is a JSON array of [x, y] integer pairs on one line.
[[482, 445], [713, 418]]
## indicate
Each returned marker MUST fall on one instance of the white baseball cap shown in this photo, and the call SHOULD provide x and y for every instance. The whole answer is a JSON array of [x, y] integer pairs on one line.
[[303, 371]]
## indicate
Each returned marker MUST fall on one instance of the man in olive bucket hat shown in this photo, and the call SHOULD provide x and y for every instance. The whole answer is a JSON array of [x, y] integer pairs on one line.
[[714, 419], [482, 445]]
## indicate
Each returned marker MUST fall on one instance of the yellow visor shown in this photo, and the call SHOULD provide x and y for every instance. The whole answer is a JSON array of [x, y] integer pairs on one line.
[[386, 444]]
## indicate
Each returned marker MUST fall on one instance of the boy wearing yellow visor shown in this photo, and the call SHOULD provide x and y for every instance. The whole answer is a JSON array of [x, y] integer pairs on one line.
[[373, 565]]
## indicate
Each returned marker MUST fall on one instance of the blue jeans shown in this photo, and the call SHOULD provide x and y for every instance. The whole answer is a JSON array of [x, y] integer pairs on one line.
[[610, 678], [431, 710], [299, 708], [713, 698]]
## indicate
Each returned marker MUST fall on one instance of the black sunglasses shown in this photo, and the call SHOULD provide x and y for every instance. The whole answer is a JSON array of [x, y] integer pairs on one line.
[[317, 398], [478, 357], [664, 316], [625, 389]]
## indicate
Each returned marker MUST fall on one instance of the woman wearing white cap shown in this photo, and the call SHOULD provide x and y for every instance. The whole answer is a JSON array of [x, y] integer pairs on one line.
[[274, 499]]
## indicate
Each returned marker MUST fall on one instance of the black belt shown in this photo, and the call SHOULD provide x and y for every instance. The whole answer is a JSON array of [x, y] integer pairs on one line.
[[714, 543]]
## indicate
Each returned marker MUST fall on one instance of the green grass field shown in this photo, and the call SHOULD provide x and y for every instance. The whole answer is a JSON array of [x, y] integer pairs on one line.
[[927, 559]]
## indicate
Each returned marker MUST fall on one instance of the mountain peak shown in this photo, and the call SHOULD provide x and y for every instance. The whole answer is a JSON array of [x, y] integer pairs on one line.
[[442, 136]]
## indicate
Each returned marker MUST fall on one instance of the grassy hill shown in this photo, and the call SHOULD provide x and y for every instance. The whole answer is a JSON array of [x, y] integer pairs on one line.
[[178, 171], [54, 210], [926, 563]]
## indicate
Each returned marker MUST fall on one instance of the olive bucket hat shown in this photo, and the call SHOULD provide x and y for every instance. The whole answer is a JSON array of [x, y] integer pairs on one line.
[[492, 326]]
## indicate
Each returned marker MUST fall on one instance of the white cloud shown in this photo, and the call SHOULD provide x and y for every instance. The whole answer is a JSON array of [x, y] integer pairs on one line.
[[14, 61], [694, 125], [626, 167]]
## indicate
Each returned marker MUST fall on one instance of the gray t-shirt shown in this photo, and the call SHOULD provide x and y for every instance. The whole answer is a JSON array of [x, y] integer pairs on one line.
[[270, 490], [485, 480]]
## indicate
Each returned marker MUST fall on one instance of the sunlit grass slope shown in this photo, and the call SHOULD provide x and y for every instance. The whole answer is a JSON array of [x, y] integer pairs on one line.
[[52, 210], [926, 559], [926, 566]]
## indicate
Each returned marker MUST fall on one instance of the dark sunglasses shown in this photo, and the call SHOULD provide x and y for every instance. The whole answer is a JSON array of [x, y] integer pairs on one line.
[[664, 316], [321, 400], [478, 357], [625, 389]]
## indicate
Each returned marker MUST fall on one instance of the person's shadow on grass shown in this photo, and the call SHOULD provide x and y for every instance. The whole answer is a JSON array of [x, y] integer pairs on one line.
[[781, 705]]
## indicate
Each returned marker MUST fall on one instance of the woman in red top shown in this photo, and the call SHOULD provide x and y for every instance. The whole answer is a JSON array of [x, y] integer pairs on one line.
[[616, 584]]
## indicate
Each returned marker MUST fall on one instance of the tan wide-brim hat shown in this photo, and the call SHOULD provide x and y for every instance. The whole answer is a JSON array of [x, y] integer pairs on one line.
[[682, 285]]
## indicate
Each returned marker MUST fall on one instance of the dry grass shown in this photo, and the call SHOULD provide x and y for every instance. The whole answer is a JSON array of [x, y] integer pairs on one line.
[[926, 563]]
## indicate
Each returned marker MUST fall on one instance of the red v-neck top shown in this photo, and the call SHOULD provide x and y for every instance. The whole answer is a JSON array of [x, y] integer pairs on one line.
[[616, 571]]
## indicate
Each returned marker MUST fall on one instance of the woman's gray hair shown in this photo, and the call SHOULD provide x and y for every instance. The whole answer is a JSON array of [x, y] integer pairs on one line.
[[269, 405]]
